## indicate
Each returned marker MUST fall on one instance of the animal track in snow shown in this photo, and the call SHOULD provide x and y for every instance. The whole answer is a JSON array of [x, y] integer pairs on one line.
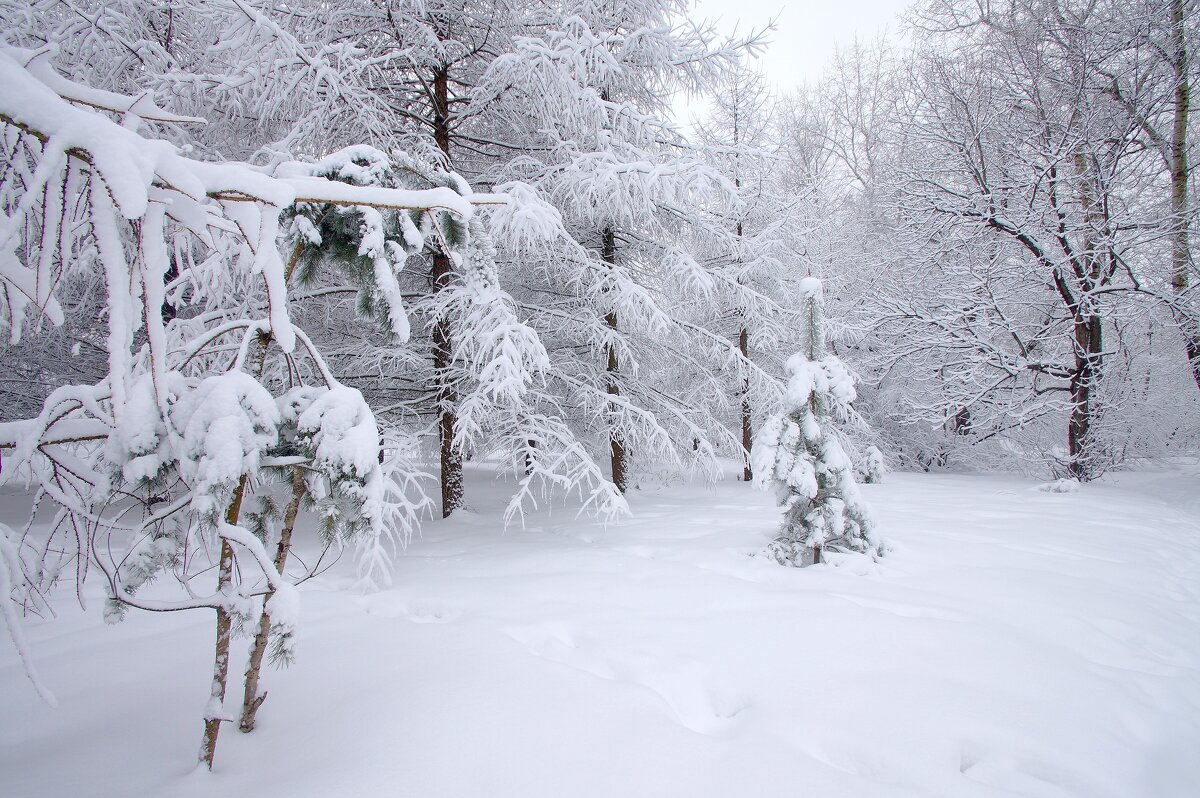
[[417, 610], [685, 684], [904, 610]]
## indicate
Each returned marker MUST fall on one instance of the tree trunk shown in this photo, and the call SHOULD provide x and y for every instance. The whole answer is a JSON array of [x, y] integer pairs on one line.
[[252, 699], [747, 431], [451, 460], [1089, 342], [743, 333], [529, 460], [214, 710], [617, 454], [450, 457], [1181, 255]]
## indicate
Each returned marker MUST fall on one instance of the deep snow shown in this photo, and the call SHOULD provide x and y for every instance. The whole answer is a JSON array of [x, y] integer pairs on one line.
[[1013, 642]]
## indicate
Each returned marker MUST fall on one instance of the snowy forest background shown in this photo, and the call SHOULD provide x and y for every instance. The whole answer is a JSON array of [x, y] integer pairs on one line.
[[263, 262]]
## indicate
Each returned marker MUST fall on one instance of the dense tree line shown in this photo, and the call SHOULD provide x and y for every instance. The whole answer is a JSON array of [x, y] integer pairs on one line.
[[1011, 197]]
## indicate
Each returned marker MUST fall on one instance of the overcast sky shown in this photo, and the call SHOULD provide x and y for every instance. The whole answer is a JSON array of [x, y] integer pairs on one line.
[[807, 31]]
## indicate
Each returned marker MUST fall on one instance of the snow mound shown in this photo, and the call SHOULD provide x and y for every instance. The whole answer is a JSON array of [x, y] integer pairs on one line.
[[1063, 485]]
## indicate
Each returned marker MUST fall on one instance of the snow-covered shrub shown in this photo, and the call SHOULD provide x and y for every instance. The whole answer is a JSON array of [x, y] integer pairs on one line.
[[797, 456], [872, 467]]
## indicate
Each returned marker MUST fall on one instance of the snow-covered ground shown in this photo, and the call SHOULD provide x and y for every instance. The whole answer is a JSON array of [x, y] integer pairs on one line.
[[1013, 642]]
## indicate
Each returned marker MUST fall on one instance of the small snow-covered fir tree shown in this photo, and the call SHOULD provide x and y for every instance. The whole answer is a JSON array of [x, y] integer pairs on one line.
[[873, 467], [797, 455]]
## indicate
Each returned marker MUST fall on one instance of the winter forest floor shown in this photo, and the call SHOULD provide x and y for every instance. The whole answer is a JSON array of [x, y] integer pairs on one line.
[[1013, 642]]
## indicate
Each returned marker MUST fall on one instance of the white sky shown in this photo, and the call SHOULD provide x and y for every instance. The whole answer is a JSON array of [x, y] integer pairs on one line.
[[806, 33]]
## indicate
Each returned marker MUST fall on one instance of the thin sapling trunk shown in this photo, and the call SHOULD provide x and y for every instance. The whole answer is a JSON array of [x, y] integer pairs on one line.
[[214, 711], [252, 699]]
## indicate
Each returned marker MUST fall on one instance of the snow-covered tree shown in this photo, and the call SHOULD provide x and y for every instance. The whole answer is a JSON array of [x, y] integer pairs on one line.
[[617, 298], [752, 245], [1037, 182], [1008, 232], [873, 466], [797, 455], [148, 469]]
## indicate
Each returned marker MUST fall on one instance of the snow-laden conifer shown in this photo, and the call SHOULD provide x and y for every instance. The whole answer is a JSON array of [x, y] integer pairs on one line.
[[620, 295], [746, 248], [797, 455], [872, 467], [150, 464]]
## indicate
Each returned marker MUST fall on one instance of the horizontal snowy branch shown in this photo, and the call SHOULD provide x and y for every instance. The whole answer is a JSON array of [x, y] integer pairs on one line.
[[43, 103]]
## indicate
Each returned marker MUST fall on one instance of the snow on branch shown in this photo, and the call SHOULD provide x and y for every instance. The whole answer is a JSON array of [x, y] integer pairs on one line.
[[193, 410], [43, 103]]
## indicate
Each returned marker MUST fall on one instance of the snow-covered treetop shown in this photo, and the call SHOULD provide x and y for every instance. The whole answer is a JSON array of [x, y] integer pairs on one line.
[[810, 288], [816, 380]]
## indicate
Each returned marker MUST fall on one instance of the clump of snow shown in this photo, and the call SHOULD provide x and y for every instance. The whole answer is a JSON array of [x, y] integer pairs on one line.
[[337, 430], [809, 288], [1062, 485], [224, 427], [386, 261], [526, 220], [139, 444]]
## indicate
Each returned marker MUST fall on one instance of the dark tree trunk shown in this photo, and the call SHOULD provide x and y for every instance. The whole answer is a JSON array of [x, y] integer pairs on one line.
[[441, 110], [617, 454], [1088, 332], [747, 431], [1089, 343], [450, 457], [743, 333]]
